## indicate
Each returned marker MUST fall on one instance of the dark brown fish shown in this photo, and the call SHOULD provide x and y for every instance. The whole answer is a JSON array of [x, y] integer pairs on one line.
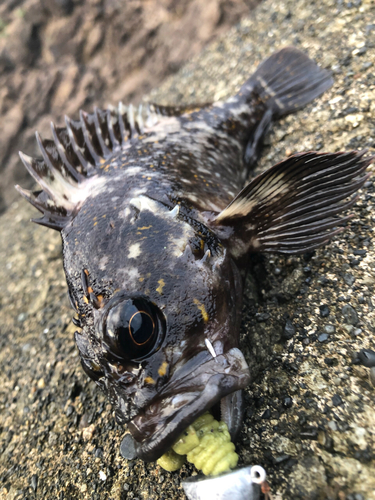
[[156, 241]]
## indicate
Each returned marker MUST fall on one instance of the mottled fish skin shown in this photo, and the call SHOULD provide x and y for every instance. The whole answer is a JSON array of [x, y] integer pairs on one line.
[[141, 233], [153, 232]]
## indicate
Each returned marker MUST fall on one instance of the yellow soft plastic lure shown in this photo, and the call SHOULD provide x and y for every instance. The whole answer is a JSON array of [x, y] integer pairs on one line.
[[206, 444]]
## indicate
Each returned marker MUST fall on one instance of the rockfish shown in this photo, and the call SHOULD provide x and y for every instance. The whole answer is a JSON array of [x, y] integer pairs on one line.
[[158, 231]]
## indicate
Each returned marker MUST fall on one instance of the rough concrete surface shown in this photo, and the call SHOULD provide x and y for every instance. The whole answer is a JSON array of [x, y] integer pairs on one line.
[[310, 417]]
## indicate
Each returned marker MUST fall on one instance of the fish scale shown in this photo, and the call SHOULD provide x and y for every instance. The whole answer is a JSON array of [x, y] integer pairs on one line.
[[158, 231]]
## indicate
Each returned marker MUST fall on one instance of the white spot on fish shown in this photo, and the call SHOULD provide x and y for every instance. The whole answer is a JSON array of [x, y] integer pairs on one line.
[[178, 244], [203, 170], [136, 203], [103, 262], [165, 127], [192, 197], [242, 206], [134, 251], [255, 243], [130, 278], [147, 203], [125, 214]]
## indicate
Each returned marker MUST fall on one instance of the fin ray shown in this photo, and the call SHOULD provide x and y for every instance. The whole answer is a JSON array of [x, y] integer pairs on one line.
[[111, 128], [89, 136], [99, 133], [81, 152], [63, 153]]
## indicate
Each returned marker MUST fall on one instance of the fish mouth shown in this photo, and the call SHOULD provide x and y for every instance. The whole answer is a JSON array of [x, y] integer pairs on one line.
[[189, 394]]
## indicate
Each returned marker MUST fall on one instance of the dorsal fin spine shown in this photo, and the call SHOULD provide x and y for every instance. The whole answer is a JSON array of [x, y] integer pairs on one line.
[[131, 119], [112, 135], [99, 133], [60, 148], [85, 164], [31, 166], [86, 134], [46, 157], [121, 113], [151, 117], [51, 223], [139, 122], [30, 197]]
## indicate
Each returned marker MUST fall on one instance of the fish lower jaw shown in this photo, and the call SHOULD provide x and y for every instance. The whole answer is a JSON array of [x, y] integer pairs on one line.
[[160, 425]]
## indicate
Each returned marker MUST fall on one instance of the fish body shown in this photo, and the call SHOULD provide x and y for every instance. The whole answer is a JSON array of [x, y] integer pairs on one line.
[[156, 240]]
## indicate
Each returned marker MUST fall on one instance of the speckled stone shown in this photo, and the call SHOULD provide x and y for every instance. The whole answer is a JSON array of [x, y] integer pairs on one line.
[[37, 335], [367, 357]]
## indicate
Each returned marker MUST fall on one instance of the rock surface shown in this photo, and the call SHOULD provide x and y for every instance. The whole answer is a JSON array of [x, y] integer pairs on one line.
[[310, 415]]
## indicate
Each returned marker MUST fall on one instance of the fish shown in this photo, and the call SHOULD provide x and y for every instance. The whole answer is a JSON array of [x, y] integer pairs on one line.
[[158, 228]]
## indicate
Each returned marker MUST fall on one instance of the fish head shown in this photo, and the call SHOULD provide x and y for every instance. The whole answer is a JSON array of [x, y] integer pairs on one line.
[[160, 316]]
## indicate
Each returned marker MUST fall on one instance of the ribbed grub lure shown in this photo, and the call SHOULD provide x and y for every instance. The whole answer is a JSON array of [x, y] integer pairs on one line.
[[158, 230], [206, 443]]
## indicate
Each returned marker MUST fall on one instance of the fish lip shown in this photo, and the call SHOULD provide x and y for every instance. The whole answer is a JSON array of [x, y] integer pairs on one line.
[[210, 382]]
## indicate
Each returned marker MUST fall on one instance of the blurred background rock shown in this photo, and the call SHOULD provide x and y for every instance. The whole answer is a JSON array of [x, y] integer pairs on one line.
[[57, 56]]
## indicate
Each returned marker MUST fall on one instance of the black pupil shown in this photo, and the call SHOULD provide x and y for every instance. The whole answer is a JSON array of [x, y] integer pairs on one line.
[[132, 326], [141, 327]]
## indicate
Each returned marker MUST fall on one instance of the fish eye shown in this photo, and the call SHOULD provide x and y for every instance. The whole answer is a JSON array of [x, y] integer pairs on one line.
[[133, 327]]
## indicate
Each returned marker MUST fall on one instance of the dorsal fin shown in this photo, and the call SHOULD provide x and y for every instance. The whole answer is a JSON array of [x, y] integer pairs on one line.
[[68, 169]]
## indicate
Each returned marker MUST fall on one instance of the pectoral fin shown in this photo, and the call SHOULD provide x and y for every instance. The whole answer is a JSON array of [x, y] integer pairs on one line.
[[293, 207]]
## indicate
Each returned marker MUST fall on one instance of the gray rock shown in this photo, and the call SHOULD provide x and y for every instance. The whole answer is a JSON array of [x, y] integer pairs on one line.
[[291, 285], [289, 330], [329, 328], [323, 337], [34, 482], [349, 279], [324, 311], [350, 315], [127, 448]]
